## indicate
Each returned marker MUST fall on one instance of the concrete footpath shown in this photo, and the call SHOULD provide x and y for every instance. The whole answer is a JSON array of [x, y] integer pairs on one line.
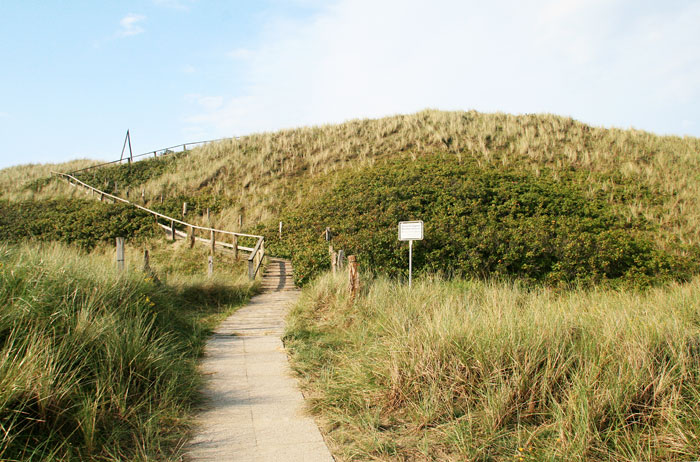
[[253, 408]]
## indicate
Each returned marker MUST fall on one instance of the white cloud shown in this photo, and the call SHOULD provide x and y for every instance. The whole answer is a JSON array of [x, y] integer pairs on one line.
[[240, 53], [189, 69], [209, 103], [593, 59], [130, 25]]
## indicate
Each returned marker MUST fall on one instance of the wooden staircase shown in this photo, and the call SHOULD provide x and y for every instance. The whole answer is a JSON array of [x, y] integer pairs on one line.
[[278, 276]]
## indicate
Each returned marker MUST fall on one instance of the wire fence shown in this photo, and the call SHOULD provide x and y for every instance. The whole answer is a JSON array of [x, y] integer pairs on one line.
[[156, 153]]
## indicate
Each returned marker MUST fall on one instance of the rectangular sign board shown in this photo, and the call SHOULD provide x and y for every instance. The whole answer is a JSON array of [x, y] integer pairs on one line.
[[410, 230]]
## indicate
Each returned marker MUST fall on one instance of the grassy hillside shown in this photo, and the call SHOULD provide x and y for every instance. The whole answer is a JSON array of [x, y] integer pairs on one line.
[[96, 365], [474, 371], [647, 184]]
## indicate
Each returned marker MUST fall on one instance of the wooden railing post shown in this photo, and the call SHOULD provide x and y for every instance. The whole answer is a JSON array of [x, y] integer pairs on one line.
[[210, 270], [120, 253], [190, 235], [354, 276], [235, 247], [172, 229], [213, 242]]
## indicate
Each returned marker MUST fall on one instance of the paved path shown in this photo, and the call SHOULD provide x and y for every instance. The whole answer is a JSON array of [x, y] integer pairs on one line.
[[254, 410]]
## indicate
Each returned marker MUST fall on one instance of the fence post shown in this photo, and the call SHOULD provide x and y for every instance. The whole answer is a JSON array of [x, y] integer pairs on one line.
[[213, 242], [143, 196], [240, 221], [161, 199], [210, 271], [235, 246], [208, 221], [354, 276], [341, 259], [120, 253], [280, 230], [146, 262], [172, 229], [334, 262], [190, 235], [184, 209]]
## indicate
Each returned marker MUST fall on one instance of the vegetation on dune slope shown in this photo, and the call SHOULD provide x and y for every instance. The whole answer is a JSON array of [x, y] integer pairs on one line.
[[475, 371], [644, 186], [96, 365], [83, 222], [261, 174], [480, 221]]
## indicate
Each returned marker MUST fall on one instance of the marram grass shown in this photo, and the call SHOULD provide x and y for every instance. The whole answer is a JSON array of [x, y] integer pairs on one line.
[[476, 371], [97, 365]]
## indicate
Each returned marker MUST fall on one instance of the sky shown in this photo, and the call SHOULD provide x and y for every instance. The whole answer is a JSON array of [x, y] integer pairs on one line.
[[75, 75]]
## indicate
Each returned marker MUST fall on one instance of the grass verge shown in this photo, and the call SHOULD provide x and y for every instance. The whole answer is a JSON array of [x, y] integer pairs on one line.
[[98, 365], [478, 371]]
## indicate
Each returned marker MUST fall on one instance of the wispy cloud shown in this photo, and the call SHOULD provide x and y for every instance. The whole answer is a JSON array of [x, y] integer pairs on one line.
[[130, 25], [4, 115], [210, 103], [189, 69], [174, 4], [591, 59], [240, 53]]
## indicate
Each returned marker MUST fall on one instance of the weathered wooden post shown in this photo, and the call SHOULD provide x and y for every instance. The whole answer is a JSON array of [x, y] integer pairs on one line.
[[184, 209], [172, 229], [334, 262], [146, 262], [240, 221], [235, 246], [213, 242], [161, 199], [143, 195], [208, 220], [190, 235], [127, 194], [354, 276], [280, 230], [210, 271], [120, 253], [341, 259]]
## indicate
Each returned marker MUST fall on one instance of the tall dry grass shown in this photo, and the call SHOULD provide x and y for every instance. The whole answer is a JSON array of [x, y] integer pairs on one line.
[[472, 370], [101, 365]]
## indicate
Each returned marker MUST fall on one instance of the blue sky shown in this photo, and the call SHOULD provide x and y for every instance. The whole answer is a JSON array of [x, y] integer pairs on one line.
[[76, 75]]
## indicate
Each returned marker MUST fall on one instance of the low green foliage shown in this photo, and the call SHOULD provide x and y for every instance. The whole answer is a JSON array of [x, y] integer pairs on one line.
[[479, 221], [83, 222], [96, 365], [468, 370]]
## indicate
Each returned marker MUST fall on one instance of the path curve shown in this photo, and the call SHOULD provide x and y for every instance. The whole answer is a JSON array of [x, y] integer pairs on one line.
[[254, 410]]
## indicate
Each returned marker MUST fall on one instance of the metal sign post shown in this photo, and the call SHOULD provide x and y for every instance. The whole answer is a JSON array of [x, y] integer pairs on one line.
[[410, 231]]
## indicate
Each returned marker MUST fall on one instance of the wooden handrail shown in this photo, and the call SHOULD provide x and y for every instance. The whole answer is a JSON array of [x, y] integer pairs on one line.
[[257, 253]]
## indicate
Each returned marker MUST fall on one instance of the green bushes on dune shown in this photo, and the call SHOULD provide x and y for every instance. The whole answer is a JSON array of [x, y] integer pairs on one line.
[[83, 222], [479, 221]]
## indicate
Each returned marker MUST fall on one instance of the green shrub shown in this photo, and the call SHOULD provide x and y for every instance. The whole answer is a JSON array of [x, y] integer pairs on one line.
[[479, 221], [80, 221]]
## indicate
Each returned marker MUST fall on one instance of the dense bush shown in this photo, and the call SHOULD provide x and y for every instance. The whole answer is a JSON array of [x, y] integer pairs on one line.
[[479, 221], [80, 221]]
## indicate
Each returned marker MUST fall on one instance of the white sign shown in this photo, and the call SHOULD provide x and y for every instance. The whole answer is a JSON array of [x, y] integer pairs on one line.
[[410, 231]]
